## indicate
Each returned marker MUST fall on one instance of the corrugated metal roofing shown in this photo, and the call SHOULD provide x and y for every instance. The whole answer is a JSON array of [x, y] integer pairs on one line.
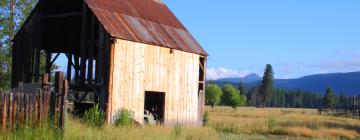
[[144, 21]]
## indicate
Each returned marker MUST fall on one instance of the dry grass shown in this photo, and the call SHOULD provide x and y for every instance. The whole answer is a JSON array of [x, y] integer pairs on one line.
[[225, 123], [285, 122], [78, 131]]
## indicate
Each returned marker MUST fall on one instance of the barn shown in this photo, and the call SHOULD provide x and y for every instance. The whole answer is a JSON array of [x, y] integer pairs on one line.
[[124, 54]]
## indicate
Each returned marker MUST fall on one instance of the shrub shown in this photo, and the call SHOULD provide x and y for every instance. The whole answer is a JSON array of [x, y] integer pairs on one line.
[[206, 118], [177, 130], [94, 116], [272, 122], [124, 118]]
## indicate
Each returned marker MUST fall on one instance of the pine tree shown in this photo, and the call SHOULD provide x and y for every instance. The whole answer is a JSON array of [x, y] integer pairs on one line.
[[329, 100], [266, 86]]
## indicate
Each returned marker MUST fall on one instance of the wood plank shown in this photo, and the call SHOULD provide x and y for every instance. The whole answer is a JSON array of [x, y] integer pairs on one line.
[[4, 113], [110, 85], [11, 106], [91, 49], [62, 15], [63, 106], [83, 49], [68, 73], [48, 62]]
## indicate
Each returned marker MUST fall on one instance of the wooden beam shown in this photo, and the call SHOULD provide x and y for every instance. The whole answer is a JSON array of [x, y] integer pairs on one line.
[[91, 50], [53, 60], [48, 62], [77, 68], [68, 73], [83, 45], [99, 58], [62, 15]]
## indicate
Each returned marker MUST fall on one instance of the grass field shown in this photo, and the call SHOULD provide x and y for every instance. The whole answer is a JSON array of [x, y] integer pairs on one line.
[[225, 123]]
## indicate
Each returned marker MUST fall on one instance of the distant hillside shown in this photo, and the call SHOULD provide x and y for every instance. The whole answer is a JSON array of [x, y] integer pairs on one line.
[[348, 83], [247, 79]]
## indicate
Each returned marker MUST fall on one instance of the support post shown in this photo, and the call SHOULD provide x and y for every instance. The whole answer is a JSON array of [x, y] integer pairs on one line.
[[63, 105], [83, 49], [48, 63], [68, 73]]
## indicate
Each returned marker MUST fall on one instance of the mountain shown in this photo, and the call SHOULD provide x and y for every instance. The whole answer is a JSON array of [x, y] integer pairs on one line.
[[347, 83], [247, 79]]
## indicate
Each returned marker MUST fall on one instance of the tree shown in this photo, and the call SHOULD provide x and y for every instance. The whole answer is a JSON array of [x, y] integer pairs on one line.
[[213, 95], [329, 100], [232, 97], [266, 85], [252, 96], [13, 14]]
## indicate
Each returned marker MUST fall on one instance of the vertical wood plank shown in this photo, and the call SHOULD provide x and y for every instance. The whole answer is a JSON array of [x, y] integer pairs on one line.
[[22, 108], [40, 107], [68, 73], [11, 106], [15, 111], [4, 113], [83, 50], [36, 111], [63, 105], [110, 88]]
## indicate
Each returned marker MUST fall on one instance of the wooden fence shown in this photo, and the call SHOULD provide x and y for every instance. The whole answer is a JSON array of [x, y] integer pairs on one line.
[[19, 109], [341, 112]]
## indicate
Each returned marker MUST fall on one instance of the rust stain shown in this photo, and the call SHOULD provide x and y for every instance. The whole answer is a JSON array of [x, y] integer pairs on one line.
[[145, 21]]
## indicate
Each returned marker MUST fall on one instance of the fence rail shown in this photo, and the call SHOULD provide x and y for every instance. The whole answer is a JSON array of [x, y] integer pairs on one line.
[[19, 109], [343, 112]]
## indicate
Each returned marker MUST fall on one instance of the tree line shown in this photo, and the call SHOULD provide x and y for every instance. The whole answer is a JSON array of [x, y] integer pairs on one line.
[[265, 95]]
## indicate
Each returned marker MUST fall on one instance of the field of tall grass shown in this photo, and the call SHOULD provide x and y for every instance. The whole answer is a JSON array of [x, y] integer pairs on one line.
[[225, 123], [281, 124]]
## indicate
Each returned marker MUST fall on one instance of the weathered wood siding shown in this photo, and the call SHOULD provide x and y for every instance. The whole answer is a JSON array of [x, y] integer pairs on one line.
[[140, 67]]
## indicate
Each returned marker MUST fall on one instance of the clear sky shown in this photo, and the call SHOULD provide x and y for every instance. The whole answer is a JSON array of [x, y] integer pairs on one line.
[[298, 37]]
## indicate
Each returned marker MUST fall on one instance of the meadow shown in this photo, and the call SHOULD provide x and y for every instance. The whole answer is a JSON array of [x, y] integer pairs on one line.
[[225, 123]]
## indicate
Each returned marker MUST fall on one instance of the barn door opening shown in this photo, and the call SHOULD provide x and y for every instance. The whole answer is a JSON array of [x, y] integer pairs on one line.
[[154, 107]]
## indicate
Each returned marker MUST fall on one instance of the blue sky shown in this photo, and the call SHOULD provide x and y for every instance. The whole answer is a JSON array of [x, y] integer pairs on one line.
[[298, 37]]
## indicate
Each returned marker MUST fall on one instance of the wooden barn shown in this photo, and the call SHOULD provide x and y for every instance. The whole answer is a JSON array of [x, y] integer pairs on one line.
[[125, 54]]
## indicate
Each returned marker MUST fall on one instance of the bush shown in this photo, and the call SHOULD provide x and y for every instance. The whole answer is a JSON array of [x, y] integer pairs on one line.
[[177, 130], [124, 118], [272, 122], [206, 118], [94, 117]]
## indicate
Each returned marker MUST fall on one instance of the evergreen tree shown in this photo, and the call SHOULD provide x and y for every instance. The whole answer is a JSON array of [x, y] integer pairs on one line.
[[329, 100], [213, 95], [266, 85], [252, 96]]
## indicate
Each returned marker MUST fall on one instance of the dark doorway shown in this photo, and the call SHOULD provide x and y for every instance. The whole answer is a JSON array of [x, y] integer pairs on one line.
[[155, 104]]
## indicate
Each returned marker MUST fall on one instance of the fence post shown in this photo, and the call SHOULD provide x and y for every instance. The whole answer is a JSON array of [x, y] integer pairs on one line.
[[59, 78], [4, 113], [354, 106], [45, 85], [63, 105]]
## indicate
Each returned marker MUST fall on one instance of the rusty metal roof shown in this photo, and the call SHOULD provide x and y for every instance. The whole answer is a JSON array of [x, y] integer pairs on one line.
[[144, 21]]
